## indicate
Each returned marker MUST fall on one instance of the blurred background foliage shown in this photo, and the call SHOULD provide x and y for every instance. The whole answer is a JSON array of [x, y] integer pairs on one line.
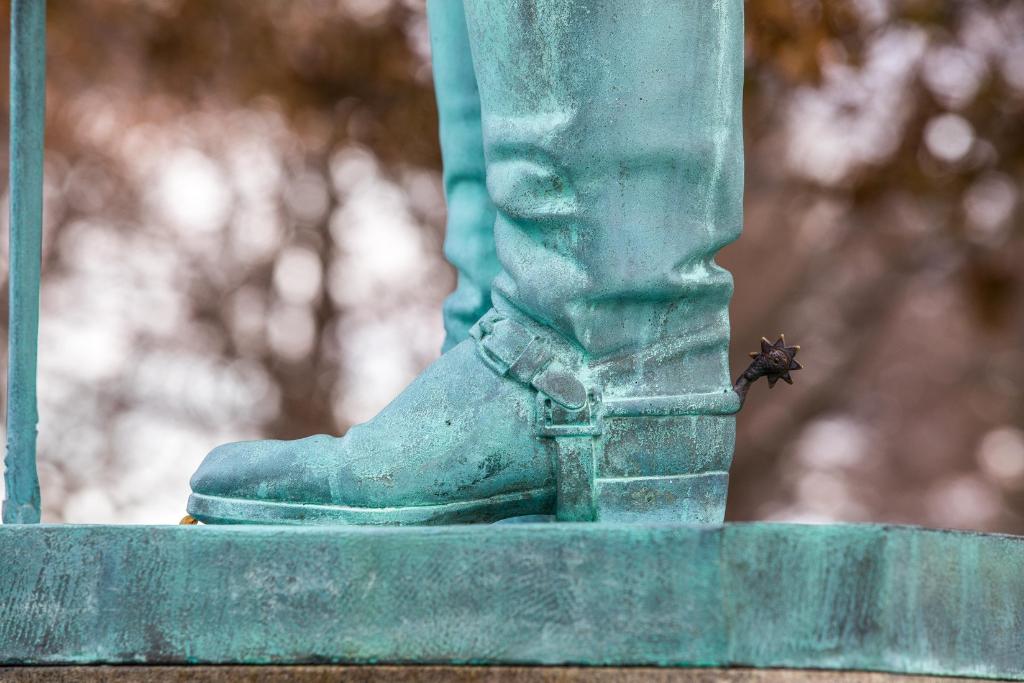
[[244, 222]]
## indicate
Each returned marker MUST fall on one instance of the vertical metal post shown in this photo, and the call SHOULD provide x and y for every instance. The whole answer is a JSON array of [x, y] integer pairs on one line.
[[28, 98]]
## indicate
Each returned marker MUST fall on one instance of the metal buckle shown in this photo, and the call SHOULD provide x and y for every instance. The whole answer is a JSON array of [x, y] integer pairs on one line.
[[555, 420]]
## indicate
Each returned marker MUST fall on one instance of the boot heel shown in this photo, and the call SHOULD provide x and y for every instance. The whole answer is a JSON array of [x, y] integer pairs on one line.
[[614, 467], [684, 499], [665, 468]]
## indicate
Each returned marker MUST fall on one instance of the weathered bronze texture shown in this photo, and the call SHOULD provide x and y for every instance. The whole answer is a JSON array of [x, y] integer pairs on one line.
[[841, 597]]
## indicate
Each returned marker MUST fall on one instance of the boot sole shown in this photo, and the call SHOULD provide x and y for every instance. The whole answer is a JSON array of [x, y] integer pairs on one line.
[[223, 510]]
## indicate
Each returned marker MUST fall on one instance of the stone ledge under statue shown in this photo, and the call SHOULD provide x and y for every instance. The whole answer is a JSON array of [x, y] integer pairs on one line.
[[842, 597]]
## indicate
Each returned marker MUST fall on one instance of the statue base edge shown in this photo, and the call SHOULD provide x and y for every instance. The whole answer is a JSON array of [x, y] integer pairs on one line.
[[841, 597]]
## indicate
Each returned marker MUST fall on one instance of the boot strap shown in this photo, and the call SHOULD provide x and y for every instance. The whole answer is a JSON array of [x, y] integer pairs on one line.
[[510, 349], [566, 413], [577, 438]]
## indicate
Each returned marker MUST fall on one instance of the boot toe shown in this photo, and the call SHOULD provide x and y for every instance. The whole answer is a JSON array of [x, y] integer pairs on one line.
[[277, 471], [458, 437]]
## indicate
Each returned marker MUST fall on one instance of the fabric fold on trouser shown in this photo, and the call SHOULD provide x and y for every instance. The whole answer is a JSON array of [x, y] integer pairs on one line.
[[614, 160]]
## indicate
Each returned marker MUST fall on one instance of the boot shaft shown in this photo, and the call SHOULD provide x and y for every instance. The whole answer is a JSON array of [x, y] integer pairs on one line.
[[613, 138]]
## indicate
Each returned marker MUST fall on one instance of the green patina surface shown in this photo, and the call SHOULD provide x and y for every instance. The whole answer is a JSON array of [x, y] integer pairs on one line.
[[768, 595], [594, 154], [28, 97]]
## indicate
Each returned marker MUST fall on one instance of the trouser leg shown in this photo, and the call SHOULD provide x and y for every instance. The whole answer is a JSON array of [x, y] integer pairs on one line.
[[469, 240], [613, 137]]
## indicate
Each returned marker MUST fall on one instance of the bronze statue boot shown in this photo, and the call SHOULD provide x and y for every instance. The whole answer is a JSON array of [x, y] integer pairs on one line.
[[500, 426], [597, 388]]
